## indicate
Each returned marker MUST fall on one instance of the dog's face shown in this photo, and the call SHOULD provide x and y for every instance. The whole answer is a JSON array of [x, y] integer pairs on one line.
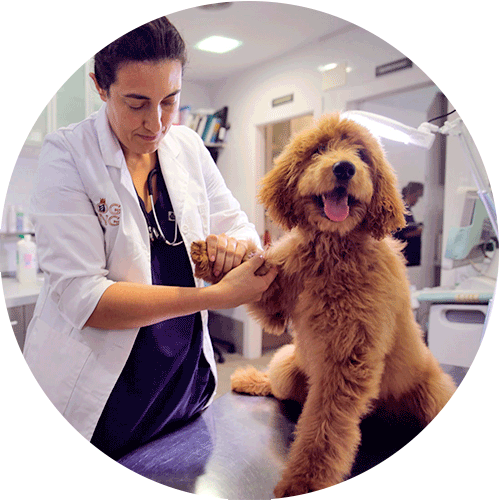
[[334, 178]]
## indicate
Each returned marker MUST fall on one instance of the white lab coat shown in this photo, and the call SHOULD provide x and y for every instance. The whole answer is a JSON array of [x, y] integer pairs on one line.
[[91, 232]]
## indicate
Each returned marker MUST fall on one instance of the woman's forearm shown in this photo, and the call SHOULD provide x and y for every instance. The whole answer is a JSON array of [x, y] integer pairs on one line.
[[130, 305]]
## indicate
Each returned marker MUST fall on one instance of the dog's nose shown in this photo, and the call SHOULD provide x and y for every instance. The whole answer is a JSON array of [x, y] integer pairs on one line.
[[344, 170]]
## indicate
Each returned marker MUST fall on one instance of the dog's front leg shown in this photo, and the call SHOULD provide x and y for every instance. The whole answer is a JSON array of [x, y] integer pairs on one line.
[[327, 433], [272, 311]]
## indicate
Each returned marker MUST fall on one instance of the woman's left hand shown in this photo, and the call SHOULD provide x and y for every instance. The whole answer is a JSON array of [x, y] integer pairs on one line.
[[225, 252]]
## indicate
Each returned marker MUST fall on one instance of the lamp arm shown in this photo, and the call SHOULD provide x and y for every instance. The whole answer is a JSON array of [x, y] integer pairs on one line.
[[456, 128]]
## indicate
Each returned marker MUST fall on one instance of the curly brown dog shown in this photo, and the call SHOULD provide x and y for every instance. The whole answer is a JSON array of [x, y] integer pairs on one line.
[[343, 290]]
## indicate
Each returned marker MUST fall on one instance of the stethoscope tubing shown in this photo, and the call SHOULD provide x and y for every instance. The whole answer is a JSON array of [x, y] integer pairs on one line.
[[150, 189]]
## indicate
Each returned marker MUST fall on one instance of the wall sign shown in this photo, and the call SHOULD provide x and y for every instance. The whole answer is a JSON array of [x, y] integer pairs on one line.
[[393, 66], [282, 100]]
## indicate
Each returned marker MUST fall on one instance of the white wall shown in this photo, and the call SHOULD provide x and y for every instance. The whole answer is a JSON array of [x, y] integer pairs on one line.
[[195, 95]]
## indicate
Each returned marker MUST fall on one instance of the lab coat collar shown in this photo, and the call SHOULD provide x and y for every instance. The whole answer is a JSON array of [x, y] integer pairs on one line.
[[110, 146]]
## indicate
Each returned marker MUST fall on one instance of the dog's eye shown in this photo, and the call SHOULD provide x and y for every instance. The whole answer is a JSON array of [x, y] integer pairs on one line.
[[321, 149], [363, 154]]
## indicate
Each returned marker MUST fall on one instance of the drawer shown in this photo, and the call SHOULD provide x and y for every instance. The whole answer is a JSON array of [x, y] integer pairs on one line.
[[456, 331], [20, 317]]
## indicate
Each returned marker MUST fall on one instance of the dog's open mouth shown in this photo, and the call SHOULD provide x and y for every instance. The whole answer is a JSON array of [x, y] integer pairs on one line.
[[336, 204]]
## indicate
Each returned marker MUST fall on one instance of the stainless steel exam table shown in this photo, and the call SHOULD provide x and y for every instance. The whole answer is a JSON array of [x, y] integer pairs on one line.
[[237, 448]]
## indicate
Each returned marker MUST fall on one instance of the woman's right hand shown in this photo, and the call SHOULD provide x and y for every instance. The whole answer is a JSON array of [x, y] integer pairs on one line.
[[241, 285]]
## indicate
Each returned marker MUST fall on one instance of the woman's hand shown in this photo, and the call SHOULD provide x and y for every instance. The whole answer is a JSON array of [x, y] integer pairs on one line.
[[225, 252], [242, 285]]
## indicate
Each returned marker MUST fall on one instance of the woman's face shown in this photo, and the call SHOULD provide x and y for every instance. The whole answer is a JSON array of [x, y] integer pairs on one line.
[[142, 103]]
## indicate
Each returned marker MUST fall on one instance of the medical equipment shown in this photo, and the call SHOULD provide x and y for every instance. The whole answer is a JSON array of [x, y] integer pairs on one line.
[[474, 238], [155, 233]]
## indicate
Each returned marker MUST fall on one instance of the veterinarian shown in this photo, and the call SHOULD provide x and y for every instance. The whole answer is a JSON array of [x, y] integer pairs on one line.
[[119, 339]]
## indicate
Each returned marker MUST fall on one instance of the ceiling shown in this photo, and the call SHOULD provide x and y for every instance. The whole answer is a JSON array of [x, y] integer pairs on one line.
[[266, 29]]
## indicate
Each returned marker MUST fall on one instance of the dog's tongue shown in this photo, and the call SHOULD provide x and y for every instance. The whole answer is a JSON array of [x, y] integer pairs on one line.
[[336, 207]]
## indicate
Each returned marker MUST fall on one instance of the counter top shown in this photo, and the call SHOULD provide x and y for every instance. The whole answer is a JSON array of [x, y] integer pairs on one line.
[[19, 294], [478, 289]]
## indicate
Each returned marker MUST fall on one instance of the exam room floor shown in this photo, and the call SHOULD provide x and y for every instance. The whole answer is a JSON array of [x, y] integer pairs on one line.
[[234, 361]]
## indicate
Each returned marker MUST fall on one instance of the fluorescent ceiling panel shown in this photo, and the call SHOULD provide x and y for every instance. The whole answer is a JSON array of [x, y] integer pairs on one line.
[[218, 44]]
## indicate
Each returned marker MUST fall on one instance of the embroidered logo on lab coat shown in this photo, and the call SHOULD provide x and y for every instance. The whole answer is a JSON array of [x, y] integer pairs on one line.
[[108, 216]]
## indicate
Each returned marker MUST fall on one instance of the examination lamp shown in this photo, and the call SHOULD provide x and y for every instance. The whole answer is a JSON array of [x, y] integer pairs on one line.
[[424, 136]]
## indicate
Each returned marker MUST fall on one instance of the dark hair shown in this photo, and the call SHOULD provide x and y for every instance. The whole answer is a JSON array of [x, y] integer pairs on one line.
[[412, 187], [157, 40]]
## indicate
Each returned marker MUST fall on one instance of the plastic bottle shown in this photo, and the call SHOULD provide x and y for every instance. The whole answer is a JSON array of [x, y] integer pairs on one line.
[[27, 265]]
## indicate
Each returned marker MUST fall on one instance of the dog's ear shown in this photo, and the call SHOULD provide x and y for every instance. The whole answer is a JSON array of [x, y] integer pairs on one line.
[[278, 187], [386, 212]]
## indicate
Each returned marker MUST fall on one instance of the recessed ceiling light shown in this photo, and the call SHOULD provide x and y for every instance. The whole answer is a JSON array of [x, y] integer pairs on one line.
[[218, 44], [327, 67], [330, 66]]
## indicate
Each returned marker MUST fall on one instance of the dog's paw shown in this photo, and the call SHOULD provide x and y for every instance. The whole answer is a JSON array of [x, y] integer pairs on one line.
[[202, 265], [203, 268]]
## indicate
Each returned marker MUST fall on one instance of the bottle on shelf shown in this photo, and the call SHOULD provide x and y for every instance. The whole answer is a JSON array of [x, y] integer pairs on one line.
[[27, 265]]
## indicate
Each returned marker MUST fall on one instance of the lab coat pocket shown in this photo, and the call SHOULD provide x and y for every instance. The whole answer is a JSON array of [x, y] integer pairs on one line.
[[56, 361]]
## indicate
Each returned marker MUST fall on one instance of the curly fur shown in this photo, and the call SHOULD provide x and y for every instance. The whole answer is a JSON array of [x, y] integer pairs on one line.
[[343, 291]]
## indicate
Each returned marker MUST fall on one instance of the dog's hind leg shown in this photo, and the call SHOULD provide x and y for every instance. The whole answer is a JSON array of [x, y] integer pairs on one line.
[[288, 381], [423, 388], [431, 392]]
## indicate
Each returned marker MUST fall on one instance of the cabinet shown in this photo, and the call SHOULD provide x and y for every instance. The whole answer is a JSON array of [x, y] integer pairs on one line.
[[456, 331], [20, 318], [75, 100]]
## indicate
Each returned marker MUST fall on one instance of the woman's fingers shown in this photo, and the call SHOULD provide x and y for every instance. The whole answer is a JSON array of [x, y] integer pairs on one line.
[[225, 252]]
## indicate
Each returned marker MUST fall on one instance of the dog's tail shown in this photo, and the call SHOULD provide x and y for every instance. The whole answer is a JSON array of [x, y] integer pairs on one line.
[[249, 380]]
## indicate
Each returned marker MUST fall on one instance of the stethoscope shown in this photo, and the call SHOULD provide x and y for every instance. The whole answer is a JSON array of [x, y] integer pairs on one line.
[[156, 232]]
